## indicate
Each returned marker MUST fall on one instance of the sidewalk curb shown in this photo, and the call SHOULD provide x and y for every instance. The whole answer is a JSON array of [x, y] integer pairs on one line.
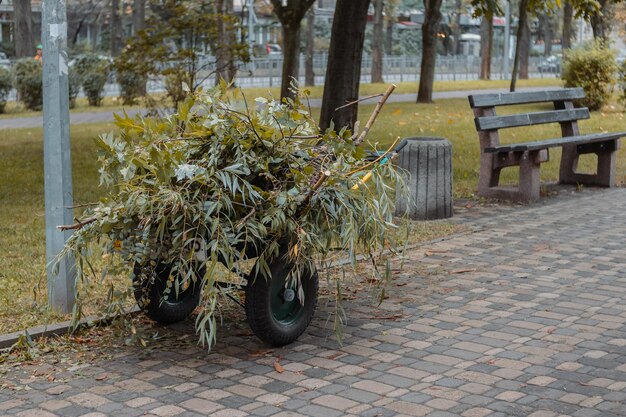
[[56, 329], [62, 328]]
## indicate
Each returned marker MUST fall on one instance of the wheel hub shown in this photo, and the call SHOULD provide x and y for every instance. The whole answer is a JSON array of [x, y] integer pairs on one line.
[[289, 295]]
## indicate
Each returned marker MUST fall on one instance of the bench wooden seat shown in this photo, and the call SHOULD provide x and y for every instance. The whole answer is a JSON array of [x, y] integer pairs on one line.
[[553, 143], [529, 155]]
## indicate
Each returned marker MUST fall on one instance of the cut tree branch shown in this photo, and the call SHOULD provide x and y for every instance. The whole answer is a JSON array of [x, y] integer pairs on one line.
[[374, 115], [77, 225]]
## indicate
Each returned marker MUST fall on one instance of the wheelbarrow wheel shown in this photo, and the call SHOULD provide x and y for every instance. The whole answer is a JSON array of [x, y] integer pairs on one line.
[[149, 287], [274, 312]]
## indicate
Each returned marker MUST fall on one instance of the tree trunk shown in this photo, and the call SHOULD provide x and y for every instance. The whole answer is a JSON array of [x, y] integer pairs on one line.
[[546, 32], [309, 75], [456, 26], [220, 53], [225, 68], [486, 44], [602, 21], [568, 15], [139, 15], [343, 72], [377, 43], [290, 14], [523, 17], [23, 29], [524, 52], [432, 19], [291, 58], [231, 39], [116, 28]]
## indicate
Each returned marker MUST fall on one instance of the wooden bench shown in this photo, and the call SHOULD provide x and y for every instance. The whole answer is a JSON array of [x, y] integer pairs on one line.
[[529, 155]]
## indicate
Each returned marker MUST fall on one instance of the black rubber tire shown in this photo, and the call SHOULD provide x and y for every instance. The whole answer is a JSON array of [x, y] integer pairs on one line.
[[261, 315], [149, 284]]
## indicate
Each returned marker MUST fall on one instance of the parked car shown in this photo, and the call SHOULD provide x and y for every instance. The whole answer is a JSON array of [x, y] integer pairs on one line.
[[550, 65], [267, 49]]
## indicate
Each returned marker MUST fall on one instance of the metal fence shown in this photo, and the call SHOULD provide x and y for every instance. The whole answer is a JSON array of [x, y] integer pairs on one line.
[[266, 72]]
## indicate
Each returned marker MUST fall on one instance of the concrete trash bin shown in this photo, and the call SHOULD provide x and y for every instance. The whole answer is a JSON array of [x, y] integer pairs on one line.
[[428, 165]]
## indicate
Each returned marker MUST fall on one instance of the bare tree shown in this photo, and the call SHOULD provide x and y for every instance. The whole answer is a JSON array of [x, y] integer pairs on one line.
[[546, 31], [432, 20], [377, 42], [391, 9], [139, 15], [23, 15], [456, 26], [309, 75], [486, 46], [116, 28], [225, 68], [344, 63], [290, 15], [524, 51]]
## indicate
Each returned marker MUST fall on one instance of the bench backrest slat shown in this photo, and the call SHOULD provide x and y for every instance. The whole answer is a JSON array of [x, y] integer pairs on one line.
[[505, 99], [530, 119]]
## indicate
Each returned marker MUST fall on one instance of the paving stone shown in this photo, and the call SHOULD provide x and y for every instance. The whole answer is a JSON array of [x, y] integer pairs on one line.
[[539, 331], [403, 407]]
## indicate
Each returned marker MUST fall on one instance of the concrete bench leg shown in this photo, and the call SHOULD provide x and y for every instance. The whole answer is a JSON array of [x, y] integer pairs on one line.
[[529, 177], [605, 171]]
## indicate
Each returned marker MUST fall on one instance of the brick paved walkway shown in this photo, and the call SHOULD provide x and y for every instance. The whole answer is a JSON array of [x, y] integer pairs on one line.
[[523, 316]]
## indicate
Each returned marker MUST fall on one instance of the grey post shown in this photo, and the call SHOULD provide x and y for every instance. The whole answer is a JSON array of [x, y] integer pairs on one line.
[[57, 161]]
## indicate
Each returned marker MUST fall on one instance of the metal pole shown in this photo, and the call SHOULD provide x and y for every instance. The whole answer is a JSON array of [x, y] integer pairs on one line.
[[507, 36], [57, 161]]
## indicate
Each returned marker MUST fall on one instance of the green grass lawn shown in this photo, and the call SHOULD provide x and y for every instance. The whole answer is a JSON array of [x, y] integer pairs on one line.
[[22, 256], [411, 87], [14, 109]]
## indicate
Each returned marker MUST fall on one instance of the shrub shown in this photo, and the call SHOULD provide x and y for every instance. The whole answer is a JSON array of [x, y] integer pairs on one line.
[[174, 86], [94, 72], [73, 84], [27, 76], [5, 87], [593, 68], [132, 86], [621, 82]]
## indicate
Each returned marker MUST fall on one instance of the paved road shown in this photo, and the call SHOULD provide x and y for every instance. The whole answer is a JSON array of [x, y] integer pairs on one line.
[[525, 315], [107, 116]]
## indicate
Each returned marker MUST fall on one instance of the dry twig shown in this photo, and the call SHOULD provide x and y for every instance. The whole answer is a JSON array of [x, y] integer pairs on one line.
[[374, 115]]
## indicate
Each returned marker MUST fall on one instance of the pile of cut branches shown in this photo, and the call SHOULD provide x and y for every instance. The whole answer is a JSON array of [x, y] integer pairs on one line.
[[229, 177]]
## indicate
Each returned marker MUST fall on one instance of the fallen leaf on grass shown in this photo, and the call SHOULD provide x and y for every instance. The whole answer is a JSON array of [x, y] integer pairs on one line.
[[278, 367], [462, 271]]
